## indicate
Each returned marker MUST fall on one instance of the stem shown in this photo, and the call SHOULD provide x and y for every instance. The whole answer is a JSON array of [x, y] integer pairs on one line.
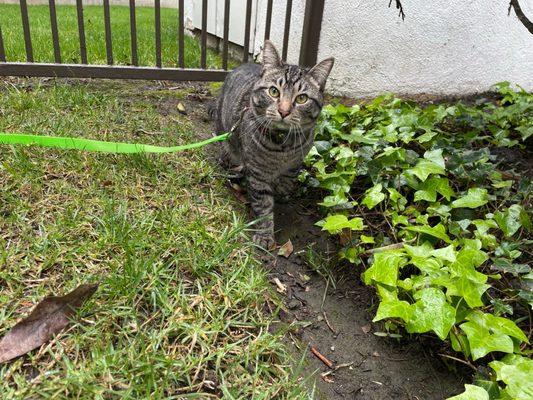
[[520, 14]]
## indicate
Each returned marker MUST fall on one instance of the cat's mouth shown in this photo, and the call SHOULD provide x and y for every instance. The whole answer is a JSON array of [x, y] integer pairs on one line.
[[281, 125]]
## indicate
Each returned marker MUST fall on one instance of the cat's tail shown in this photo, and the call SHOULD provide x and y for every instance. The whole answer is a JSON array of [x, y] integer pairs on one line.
[[212, 110]]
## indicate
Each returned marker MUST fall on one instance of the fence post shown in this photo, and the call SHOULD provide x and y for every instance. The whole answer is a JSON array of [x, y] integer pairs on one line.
[[314, 10]]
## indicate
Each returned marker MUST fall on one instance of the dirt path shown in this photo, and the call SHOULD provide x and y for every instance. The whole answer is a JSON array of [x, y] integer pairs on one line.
[[381, 368]]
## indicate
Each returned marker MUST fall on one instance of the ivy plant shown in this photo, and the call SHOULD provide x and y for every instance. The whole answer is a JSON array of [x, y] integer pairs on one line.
[[426, 202]]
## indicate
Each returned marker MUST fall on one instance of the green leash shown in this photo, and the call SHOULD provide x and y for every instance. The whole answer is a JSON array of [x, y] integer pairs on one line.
[[70, 143]]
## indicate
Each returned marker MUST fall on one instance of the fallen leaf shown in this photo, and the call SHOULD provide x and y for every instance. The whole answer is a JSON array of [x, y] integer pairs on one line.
[[49, 318], [181, 108], [366, 328], [286, 250], [238, 191]]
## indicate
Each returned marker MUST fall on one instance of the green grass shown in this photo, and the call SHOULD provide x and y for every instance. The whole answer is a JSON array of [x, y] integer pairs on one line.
[[180, 311], [11, 25]]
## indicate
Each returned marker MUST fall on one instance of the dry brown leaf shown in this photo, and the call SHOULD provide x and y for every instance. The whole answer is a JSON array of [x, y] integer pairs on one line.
[[286, 250], [366, 328], [238, 191], [49, 318]]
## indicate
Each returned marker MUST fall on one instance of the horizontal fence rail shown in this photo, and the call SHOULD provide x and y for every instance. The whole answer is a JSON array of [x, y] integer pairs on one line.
[[59, 68]]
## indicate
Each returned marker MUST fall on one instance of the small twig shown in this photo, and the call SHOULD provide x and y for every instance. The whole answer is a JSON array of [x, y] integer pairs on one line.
[[328, 324], [325, 293], [399, 7], [345, 365], [394, 246], [459, 360], [321, 357]]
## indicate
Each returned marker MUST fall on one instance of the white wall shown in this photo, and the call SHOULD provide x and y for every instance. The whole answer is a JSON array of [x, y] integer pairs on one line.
[[442, 47]]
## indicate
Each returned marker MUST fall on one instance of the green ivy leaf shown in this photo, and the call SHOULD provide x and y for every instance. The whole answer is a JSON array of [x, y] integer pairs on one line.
[[468, 289], [474, 198], [422, 251], [431, 312], [428, 190], [438, 231], [511, 219], [487, 333], [373, 196], [337, 200], [447, 253], [424, 168], [516, 371], [472, 392], [337, 222], [385, 268], [367, 239], [394, 309], [507, 266]]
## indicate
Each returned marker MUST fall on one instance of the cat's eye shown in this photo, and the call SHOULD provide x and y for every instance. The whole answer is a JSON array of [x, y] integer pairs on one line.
[[273, 91], [302, 98]]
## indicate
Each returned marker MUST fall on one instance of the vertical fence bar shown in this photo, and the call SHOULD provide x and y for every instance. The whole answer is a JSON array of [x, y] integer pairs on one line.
[[108, 39], [268, 21], [204, 35], [157, 9], [2, 49], [181, 35], [81, 32], [287, 30], [226, 35], [314, 12], [133, 34], [55, 33], [247, 30], [26, 27]]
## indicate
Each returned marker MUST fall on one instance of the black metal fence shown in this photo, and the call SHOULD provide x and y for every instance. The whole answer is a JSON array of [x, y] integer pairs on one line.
[[308, 52]]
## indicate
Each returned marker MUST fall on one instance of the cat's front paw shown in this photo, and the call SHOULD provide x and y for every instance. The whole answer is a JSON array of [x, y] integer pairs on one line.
[[265, 241]]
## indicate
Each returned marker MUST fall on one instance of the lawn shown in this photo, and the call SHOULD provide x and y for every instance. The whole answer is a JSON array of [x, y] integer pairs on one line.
[[11, 25], [180, 311]]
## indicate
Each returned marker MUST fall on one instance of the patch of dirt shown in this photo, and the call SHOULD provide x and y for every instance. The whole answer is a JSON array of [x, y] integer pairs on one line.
[[337, 323]]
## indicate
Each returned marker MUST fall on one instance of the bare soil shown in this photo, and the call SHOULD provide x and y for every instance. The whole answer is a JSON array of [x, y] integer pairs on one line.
[[337, 323]]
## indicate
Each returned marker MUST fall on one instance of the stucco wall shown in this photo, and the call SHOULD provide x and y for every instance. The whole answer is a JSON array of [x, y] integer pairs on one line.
[[442, 47]]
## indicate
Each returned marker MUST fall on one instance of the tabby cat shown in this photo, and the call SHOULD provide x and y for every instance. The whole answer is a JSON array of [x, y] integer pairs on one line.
[[273, 109]]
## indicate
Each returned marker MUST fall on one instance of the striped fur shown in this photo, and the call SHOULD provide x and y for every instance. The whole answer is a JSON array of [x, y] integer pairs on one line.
[[274, 128]]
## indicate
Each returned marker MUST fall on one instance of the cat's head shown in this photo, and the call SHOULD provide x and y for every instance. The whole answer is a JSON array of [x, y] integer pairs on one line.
[[288, 95]]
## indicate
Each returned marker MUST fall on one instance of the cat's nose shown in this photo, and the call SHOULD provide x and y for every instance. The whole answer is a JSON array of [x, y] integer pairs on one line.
[[284, 111]]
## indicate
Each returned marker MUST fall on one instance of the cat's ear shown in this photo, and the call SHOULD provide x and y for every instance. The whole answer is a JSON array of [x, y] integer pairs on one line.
[[320, 72], [271, 57]]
